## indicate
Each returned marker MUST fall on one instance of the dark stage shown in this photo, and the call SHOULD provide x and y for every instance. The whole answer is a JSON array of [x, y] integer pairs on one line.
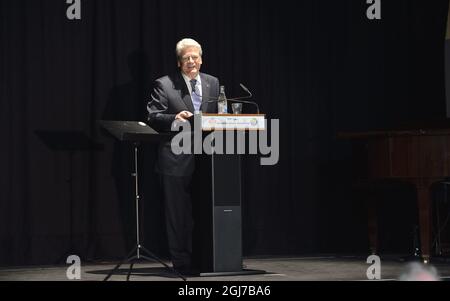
[[354, 92]]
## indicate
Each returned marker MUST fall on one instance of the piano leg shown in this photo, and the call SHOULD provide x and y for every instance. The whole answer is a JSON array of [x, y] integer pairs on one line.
[[423, 187]]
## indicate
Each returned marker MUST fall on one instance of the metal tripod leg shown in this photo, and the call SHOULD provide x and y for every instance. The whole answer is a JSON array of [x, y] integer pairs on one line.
[[130, 259], [126, 259], [154, 257]]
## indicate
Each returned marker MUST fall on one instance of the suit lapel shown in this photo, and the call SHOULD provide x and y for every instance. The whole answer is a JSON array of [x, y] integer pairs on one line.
[[184, 92], [205, 93]]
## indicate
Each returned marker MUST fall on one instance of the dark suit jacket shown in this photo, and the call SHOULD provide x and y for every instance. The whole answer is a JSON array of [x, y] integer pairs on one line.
[[169, 97]]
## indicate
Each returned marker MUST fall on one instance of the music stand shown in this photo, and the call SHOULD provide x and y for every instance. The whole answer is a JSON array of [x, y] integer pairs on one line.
[[69, 141], [135, 132]]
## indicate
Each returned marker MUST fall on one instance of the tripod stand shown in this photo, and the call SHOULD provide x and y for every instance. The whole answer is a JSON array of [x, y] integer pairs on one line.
[[134, 131]]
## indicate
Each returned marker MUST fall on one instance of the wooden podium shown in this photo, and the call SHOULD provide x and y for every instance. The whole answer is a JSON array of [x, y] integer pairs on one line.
[[217, 195]]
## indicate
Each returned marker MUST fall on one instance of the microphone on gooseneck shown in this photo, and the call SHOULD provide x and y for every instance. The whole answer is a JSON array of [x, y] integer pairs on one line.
[[236, 99], [246, 90], [249, 96]]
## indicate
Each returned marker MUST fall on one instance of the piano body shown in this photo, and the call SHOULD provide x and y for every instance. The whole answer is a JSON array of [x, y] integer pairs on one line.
[[420, 157]]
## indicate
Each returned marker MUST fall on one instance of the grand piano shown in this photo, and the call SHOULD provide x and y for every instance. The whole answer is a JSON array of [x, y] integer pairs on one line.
[[419, 156]]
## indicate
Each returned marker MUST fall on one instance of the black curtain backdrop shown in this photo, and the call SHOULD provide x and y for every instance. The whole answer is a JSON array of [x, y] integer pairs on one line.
[[320, 67]]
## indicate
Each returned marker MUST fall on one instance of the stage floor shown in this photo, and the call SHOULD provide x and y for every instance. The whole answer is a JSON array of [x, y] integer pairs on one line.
[[311, 268]]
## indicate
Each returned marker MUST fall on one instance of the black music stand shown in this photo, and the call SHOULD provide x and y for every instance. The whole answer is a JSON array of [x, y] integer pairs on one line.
[[68, 141], [135, 132]]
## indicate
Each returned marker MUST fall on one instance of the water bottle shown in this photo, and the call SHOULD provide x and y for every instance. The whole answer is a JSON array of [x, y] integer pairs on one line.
[[222, 105]]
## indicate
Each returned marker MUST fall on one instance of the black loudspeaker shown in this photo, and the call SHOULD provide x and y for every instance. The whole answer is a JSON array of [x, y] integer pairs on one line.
[[217, 213]]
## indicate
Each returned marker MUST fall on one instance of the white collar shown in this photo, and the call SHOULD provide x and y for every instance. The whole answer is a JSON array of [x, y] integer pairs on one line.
[[188, 82]]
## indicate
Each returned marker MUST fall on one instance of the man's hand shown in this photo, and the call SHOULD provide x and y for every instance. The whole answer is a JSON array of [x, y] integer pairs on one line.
[[183, 115]]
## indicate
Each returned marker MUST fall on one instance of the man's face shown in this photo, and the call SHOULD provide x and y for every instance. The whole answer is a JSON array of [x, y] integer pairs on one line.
[[190, 61]]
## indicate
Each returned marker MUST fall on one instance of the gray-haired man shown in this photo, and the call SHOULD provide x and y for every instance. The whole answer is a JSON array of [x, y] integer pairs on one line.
[[177, 97]]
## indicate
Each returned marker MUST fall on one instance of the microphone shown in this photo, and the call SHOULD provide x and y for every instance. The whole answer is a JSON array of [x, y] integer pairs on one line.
[[249, 96], [235, 99], [246, 90]]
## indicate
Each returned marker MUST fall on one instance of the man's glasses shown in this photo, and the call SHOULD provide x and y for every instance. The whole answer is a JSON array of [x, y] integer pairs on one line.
[[193, 57]]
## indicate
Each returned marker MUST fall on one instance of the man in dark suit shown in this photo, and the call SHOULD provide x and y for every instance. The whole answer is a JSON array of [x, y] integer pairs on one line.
[[174, 99]]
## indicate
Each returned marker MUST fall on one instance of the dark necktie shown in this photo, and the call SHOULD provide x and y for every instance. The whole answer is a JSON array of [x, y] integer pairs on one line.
[[196, 100]]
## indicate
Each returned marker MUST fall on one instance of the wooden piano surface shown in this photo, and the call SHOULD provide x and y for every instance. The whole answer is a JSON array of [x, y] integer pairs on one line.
[[418, 156]]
